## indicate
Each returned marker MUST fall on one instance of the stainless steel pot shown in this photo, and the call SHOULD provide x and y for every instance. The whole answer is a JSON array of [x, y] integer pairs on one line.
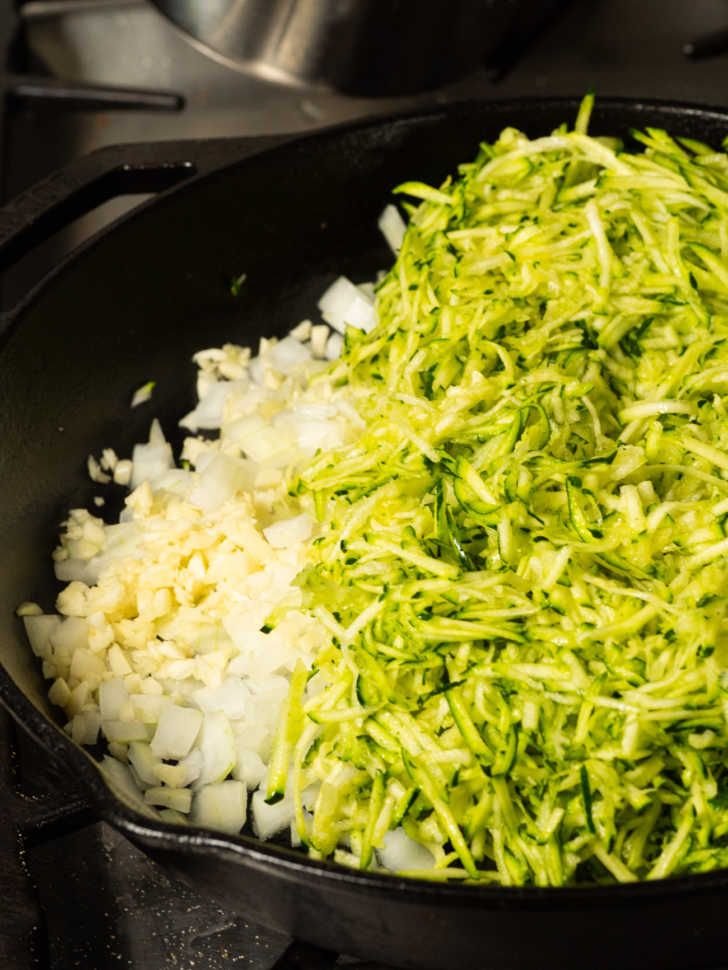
[[361, 46]]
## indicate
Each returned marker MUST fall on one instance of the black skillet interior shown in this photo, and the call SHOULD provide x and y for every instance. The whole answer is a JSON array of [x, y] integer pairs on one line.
[[134, 306]]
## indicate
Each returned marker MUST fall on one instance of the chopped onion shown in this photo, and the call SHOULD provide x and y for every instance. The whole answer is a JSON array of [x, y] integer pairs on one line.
[[176, 732], [249, 767], [399, 852], [344, 304], [221, 479], [268, 820], [125, 731], [392, 226], [39, 630], [287, 354], [113, 698], [208, 413], [85, 727], [221, 806], [144, 762], [231, 697], [161, 646], [178, 799], [289, 532], [217, 747], [150, 462], [142, 394], [122, 781]]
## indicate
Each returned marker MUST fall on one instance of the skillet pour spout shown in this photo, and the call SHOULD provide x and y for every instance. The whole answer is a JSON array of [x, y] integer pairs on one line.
[[139, 300]]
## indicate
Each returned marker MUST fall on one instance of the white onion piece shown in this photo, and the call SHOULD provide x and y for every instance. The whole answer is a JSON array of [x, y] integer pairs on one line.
[[319, 338], [268, 820], [86, 666], [344, 304], [176, 732], [368, 289], [289, 532], [257, 738], [221, 806], [82, 570], [169, 815], [70, 636], [217, 747], [39, 629], [312, 426], [178, 799], [262, 654], [122, 781], [113, 698], [122, 472], [220, 480], [249, 767], [59, 692], [173, 776], [150, 462], [144, 762], [148, 707], [120, 540], [231, 697], [309, 796], [334, 346], [192, 765], [255, 436], [302, 331], [125, 731], [392, 227], [400, 852], [156, 435], [85, 727], [287, 354], [176, 480], [208, 413], [142, 394]]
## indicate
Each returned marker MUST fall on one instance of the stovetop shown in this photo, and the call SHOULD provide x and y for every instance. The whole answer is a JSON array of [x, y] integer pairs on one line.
[[75, 893]]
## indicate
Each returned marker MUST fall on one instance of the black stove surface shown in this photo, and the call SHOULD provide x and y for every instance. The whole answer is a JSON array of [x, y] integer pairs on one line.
[[75, 893]]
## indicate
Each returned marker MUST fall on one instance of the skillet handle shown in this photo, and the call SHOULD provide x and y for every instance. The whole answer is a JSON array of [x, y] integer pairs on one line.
[[53, 203]]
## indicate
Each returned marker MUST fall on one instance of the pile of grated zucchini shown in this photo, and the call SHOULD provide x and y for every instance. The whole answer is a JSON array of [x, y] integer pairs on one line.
[[523, 562]]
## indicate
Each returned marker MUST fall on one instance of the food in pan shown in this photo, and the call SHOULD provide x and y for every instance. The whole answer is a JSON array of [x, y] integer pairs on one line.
[[453, 603]]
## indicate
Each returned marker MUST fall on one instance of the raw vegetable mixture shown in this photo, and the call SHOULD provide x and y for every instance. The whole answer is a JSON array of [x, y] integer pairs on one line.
[[519, 569]]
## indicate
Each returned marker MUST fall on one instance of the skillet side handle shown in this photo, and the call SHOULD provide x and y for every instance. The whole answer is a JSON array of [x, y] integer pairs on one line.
[[53, 203]]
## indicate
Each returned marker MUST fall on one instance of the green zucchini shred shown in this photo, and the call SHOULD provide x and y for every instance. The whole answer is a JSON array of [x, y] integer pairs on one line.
[[525, 550]]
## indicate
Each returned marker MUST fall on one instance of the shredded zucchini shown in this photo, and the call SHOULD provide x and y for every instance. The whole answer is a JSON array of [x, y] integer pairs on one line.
[[523, 560]]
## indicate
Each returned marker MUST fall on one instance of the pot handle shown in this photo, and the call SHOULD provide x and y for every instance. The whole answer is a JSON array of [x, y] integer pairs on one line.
[[53, 203]]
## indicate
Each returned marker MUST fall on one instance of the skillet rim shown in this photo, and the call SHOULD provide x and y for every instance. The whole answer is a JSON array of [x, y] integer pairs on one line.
[[247, 850]]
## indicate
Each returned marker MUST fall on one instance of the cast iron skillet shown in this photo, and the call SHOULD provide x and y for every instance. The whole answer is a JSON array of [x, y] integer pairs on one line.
[[135, 304]]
